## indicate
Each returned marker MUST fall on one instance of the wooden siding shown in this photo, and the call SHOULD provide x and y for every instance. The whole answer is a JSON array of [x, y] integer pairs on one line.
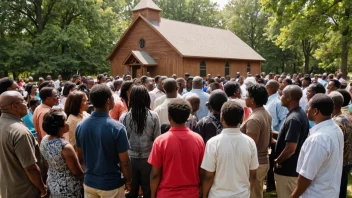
[[169, 61], [153, 15], [217, 66]]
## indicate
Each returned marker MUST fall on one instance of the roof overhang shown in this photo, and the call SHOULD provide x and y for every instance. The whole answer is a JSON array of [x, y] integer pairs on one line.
[[140, 58]]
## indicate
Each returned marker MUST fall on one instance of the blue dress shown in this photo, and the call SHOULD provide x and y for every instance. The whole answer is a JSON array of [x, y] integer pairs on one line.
[[61, 182]]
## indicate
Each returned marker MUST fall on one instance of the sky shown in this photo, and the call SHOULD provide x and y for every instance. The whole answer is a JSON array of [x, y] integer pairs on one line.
[[221, 3]]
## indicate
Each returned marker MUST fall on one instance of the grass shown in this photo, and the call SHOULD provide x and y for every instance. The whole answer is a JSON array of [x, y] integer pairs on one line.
[[349, 189]]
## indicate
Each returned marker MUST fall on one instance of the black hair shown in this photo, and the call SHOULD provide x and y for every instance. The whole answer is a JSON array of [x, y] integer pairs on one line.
[[99, 95], [232, 112], [346, 97], [53, 121], [67, 87], [170, 85], [179, 110], [124, 88], [33, 101], [46, 92], [28, 89], [217, 99], [318, 88], [99, 77], [212, 80], [258, 93], [289, 81], [156, 78], [75, 76], [307, 78], [336, 83], [139, 105], [216, 85], [44, 84], [323, 103], [231, 88], [299, 82], [144, 79], [5, 83]]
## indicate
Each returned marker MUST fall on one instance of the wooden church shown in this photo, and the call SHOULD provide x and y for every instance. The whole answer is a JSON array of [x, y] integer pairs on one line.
[[165, 47]]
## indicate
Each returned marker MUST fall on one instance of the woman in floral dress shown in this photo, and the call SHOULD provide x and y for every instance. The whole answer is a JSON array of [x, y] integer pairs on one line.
[[65, 173]]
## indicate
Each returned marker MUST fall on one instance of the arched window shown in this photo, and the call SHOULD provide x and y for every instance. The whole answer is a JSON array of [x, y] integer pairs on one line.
[[227, 68], [203, 69], [248, 67]]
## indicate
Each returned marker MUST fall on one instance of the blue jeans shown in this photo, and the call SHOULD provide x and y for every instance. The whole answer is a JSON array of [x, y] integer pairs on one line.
[[344, 180]]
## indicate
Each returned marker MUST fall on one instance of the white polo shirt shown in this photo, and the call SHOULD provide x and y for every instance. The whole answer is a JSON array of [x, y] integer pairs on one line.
[[321, 160], [163, 112], [230, 155]]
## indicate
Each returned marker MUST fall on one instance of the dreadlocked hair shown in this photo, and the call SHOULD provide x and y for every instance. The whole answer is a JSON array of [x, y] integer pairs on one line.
[[124, 88], [139, 107]]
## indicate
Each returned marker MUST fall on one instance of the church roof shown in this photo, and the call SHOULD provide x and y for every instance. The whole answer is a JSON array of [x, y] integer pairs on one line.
[[146, 4], [191, 40], [200, 41]]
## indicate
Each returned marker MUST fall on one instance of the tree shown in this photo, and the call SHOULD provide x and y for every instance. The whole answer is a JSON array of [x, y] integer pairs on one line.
[[304, 20], [59, 36]]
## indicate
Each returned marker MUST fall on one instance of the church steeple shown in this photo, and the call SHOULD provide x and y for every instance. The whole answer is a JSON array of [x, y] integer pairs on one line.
[[148, 9]]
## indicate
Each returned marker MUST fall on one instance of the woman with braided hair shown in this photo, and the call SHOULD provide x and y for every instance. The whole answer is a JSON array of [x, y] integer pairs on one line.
[[143, 128]]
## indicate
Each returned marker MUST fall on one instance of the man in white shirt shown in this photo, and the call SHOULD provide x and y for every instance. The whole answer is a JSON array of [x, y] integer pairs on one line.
[[321, 158], [303, 103], [161, 100], [230, 159], [158, 90], [197, 88], [57, 82], [170, 88]]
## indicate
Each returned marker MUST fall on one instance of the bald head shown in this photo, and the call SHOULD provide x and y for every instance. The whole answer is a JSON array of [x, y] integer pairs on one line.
[[197, 82], [9, 97], [293, 92], [13, 103], [274, 85]]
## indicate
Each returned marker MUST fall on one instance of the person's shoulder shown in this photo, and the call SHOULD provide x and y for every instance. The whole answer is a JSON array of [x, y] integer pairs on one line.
[[162, 138], [214, 140], [154, 114]]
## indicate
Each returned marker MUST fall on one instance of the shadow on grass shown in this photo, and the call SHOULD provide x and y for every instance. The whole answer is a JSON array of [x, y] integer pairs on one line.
[[349, 189]]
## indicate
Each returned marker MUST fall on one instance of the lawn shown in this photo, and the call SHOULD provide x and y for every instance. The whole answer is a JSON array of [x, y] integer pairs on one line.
[[273, 194]]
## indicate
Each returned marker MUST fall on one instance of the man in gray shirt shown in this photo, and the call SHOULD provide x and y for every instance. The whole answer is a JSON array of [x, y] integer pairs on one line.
[[20, 175]]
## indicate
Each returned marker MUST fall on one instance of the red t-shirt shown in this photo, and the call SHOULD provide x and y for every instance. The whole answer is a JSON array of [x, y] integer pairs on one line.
[[180, 153]]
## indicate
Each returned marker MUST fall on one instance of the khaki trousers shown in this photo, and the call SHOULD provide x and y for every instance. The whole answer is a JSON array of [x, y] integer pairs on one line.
[[257, 190], [95, 193], [285, 185]]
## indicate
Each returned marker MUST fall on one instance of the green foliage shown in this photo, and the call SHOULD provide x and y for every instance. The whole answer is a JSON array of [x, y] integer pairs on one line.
[[69, 36]]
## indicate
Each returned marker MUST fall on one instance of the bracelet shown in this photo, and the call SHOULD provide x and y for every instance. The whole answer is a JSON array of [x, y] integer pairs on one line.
[[128, 183]]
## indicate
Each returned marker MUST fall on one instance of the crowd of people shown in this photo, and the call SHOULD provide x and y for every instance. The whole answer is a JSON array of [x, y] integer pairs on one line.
[[176, 136]]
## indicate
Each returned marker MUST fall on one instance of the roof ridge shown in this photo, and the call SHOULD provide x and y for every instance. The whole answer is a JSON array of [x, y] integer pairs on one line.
[[195, 24], [144, 4]]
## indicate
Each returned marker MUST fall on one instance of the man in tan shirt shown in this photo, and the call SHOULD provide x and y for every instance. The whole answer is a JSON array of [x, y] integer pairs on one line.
[[49, 99], [20, 175], [258, 127]]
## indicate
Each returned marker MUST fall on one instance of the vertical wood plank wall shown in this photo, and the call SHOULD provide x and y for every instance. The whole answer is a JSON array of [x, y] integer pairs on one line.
[[169, 61]]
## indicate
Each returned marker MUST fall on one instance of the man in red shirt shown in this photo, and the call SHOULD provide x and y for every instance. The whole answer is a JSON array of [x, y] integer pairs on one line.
[[176, 156]]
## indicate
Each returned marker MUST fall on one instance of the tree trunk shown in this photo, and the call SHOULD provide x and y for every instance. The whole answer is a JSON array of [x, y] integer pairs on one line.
[[306, 46], [38, 15], [345, 43]]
